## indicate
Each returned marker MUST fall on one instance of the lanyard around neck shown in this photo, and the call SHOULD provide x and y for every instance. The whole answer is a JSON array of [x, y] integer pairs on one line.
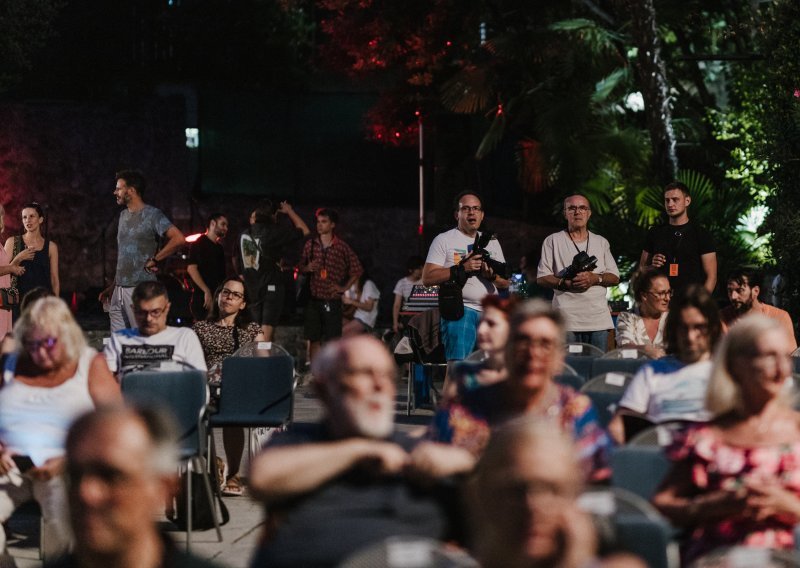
[[575, 245]]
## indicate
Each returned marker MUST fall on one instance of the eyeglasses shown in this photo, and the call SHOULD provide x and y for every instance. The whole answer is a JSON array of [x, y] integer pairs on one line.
[[155, 313], [664, 294], [35, 344], [231, 294], [575, 208], [545, 345], [470, 208]]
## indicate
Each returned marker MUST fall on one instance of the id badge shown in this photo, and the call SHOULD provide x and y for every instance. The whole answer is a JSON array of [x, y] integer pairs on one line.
[[323, 273], [673, 269]]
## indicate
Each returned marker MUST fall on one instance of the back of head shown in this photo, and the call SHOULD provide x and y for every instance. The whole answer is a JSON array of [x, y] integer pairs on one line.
[[265, 212], [148, 290], [693, 296], [133, 178], [51, 315]]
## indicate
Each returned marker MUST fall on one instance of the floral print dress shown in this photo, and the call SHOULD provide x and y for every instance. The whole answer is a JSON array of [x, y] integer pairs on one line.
[[714, 465]]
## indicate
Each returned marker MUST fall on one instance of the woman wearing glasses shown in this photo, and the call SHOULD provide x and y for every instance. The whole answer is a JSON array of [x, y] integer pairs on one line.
[[50, 380], [644, 326], [227, 328]]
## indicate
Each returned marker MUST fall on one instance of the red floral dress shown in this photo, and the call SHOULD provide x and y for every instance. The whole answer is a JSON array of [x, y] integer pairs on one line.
[[715, 465]]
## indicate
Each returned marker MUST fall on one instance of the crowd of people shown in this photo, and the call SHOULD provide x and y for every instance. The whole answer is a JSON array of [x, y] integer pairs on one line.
[[510, 447]]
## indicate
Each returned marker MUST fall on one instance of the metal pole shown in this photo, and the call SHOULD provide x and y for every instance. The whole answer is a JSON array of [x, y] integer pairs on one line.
[[421, 226]]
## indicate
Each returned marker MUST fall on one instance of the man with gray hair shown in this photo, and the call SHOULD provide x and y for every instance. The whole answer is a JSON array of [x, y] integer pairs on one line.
[[351, 480], [121, 466]]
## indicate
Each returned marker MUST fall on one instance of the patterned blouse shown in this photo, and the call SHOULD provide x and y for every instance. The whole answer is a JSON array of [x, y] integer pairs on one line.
[[467, 421], [218, 341], [716, 465], [631, 330]]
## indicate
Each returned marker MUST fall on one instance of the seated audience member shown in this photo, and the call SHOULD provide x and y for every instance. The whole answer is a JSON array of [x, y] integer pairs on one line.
[[744, 287], [121, 465], [227, 328], [362, 298], [402, 290], [352, 480], [644, 325], [51, 379], [492, 339], [8, 344], [534, 356], [736, 480], [152, 341], [674, 388], [522, 502]]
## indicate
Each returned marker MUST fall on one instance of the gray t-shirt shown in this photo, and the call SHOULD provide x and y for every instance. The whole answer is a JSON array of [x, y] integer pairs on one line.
[[137, 240]]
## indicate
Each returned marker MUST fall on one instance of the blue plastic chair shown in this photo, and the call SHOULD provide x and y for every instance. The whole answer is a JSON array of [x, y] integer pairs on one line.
[[601, 365], [185, 394], [606, 391], [639, 469], [581, 364]]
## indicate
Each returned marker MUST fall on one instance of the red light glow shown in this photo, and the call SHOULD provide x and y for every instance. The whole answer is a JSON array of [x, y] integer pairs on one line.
[[193, 238]]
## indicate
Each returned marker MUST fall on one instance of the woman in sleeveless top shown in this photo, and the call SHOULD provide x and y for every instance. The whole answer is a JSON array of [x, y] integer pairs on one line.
[[9, 267], [42, 269], [227, 328], [52, 378]]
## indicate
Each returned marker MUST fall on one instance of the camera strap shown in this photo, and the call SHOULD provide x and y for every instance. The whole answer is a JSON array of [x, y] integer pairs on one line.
[[588, 234]]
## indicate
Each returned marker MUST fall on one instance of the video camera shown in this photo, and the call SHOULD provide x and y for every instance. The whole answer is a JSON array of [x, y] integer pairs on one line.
[[581, 262]]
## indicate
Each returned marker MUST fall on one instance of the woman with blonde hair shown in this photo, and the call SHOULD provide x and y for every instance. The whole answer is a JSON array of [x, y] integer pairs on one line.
[[736, 480], [52, 378]]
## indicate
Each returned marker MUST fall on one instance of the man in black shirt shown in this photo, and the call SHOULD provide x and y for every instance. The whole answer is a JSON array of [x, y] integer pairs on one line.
[[684, 251], [352, 480], [258, 258], [206, 265]]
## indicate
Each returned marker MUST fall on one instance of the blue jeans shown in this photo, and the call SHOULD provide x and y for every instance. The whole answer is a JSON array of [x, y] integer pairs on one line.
[[597, 338]]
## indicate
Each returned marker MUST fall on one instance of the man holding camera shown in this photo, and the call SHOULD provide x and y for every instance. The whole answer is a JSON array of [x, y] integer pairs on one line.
[[451, 257], [578, 265]]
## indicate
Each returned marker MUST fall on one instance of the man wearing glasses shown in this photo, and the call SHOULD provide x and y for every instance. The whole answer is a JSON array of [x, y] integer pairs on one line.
[[153, 344], [582, 298], [447, 251], [682, 249]]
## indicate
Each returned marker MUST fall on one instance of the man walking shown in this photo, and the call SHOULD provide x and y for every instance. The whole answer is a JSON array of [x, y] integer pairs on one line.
[[141, 226], [333, 268], [580, 297], [206, 266], [682, 249]]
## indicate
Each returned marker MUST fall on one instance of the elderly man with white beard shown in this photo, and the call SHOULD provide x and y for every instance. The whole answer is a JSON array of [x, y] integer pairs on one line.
[[352, 480]]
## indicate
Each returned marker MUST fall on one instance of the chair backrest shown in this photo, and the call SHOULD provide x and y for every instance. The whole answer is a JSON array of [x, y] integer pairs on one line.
[[627, 353], [606, 391], [580, 364], [579, 349], [569, 380], [256, 391], [648, 539], [601, 365], [639, 469], [424, 335], [659, 435], [184, 393]]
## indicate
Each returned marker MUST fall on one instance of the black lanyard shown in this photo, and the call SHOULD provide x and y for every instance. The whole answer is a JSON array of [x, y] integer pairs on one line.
[[575, 245]]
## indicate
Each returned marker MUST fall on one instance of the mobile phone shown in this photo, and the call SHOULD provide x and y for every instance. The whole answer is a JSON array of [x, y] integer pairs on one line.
[[24, 463]]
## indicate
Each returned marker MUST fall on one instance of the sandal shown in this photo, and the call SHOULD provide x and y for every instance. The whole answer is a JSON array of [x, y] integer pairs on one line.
[[222, 471], [233, 487]]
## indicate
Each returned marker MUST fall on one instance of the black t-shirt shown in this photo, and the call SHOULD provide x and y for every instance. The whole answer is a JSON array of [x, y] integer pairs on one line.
[[352, 511], [210, 260], [682, 245]]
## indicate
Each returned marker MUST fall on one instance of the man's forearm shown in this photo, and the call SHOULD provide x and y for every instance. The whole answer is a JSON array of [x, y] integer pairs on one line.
[[549, 281], [176, 241], [433, 274], [194, 274]]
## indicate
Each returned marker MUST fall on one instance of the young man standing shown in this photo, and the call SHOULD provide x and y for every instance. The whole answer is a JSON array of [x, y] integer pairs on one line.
[[682, 249], [206, 266], [332, 267]]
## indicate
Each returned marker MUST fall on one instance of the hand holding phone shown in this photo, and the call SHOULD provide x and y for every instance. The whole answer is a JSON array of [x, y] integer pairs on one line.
[[24, 463]]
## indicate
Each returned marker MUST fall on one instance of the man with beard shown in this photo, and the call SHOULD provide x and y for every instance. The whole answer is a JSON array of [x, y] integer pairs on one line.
[[206, 265], [352, 480], [682, 249], [141, 226], [744, 287]]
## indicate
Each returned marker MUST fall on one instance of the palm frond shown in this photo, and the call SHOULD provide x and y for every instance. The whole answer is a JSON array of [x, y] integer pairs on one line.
[[468, 92]]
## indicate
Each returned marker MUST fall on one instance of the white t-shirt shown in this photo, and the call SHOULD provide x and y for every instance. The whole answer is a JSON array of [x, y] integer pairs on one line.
[[404, 286], [582, 311], [128, 351], [665, 389], [369, 292], [447, 250]]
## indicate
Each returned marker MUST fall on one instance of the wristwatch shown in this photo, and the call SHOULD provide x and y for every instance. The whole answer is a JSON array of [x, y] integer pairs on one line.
[[600, 281]]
